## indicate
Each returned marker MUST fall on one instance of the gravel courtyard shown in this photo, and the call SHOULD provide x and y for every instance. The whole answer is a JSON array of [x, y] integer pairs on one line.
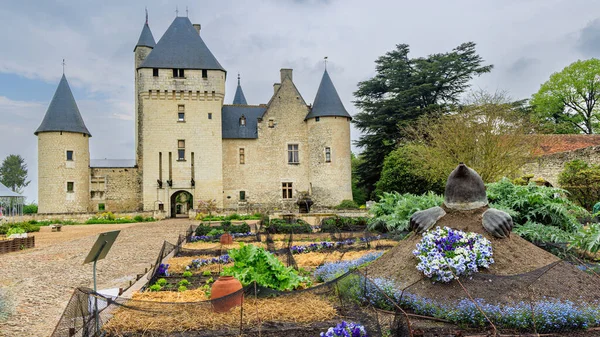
[[40, 281]]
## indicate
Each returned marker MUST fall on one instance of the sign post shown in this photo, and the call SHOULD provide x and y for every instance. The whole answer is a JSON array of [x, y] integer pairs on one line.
[[98, 252]]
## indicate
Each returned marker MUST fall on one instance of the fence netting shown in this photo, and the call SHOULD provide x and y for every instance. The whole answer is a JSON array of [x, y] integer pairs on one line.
[[560, 299]]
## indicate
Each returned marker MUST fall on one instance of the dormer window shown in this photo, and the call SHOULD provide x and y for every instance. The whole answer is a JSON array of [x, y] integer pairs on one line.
[[243, 121], [178, 73], [317, 119]]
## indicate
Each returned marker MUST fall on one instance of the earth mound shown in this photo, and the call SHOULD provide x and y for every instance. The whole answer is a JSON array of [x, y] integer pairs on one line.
[[521, 271]]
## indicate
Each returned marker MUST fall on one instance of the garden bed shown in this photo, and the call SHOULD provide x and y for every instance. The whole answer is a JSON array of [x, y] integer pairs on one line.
[[15, 245]]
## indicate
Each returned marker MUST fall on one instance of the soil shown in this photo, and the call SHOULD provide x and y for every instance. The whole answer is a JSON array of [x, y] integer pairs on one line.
[[521, 271]]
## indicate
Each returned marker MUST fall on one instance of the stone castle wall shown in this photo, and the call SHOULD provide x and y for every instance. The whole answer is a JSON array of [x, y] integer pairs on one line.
[[118, 189], [55, 172], [550, 166]]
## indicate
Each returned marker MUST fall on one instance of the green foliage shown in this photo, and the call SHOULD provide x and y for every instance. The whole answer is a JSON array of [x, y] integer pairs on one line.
[[206, 273], [182, 288], [161, 282], [27, 227], [15, 230], [347, 204], [110, 218], [138, 218], [216, 232], [30, 209], [155, 287], [393, 211], [224, 227], [582, 180], [403, 90], [341, 224], [588, 238], [280, 226], [183, 282], [252, 263], [404, 171], [359, 194], [567, 102], [536, 232], [13, 173], [188, 273], [539, 204]]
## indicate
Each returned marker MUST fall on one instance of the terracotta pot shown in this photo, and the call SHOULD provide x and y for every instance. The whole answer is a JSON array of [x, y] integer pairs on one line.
[[224, 286], [226, 239]]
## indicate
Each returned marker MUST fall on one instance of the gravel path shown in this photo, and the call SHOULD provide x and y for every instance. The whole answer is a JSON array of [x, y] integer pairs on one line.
[[40, 281]]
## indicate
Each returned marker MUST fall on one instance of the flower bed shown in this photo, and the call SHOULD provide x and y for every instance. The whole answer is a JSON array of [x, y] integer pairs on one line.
[[209, 238], [223, 259], [446, 254], [345, 330], [330, 271]]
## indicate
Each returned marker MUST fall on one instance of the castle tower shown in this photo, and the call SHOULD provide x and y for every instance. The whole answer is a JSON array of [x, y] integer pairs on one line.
[[239, 97], [63, 156], [329, 146], [180, 87]]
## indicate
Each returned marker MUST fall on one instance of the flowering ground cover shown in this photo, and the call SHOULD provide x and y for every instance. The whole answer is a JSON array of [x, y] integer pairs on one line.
[[345, 330], [331, 270], [446, 254]]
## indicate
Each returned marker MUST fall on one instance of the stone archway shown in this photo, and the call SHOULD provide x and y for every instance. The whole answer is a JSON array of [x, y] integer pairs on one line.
[[181, 204]]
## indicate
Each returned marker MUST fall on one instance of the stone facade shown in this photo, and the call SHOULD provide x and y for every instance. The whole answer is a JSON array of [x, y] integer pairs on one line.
[[181, 149], [549, 167]]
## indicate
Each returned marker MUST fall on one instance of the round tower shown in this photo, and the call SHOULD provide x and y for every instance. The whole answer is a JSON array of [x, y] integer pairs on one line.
[[63, 156], [329, 145]]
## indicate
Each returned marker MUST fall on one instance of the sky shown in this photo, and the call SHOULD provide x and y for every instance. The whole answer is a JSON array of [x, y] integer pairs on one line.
[[525, 40]]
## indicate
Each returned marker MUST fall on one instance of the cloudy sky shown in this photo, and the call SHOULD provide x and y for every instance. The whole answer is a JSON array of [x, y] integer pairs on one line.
[[525, 40]]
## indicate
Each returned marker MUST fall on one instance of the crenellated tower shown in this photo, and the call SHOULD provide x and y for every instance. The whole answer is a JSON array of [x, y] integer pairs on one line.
[[328, 125], [63, 156], [180, 87]]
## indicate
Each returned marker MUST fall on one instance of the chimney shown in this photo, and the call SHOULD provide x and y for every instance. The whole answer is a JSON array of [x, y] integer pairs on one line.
[[276, 87], [286, 73], [197, 27]]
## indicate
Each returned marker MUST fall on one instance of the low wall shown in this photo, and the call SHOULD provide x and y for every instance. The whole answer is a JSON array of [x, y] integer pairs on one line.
[[77, 217], [15, 245], [550, 166]]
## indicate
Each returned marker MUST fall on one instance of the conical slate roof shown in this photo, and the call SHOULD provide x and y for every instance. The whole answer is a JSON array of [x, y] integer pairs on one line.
[[63, 114], [146, 38], [181, 47], [327, 102], [239, 97]]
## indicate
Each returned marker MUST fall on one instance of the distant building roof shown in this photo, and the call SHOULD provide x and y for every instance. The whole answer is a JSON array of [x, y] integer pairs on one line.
[[231, 121], [63, 113], [239, 97], [327, 102], [146, 38], [181, 47], [549, 144], [6, 192], [112, 163]]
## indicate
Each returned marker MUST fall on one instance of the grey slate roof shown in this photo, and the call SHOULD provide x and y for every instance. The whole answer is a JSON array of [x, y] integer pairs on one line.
[[6, 192], [112, 163], [231, 121], [63, 114], [239, 97], [327, 102], [146, 38], [181, 47]]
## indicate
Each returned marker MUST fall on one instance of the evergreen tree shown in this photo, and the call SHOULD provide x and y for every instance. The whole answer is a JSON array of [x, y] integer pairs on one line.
[[13, 173], [403, 90]]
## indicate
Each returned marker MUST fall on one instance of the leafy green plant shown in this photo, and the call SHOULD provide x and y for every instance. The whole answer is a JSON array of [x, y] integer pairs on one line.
[[252, 263], [336, 224], [15, 230], [161, 282], [535, 232], [347, 204], [138, 218], [280, 226], [155, 287], [30, 209], [210, 280], [582, 180], [27, 227], [188, 273], [393, 211], [182, 288], [588, 238], [206, 273], [183, 282], [216, 232], [533, 203]]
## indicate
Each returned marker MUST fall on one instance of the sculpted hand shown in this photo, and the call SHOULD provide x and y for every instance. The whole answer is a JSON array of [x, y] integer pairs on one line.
[[423, 220], [497, 223]]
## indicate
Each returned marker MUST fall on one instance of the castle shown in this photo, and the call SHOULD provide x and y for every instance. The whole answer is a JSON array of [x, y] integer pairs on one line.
[[192, 147]]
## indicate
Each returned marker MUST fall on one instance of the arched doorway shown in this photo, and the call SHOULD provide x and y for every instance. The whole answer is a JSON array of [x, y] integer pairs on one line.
[[181, 203]]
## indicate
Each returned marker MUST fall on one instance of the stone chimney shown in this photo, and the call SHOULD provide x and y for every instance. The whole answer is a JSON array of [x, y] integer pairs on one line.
[[276, 87], [286, 73], [197, 27]]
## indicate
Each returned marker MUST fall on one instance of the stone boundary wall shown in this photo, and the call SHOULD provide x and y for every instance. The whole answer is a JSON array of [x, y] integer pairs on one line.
[[78, 217], [550, 166]]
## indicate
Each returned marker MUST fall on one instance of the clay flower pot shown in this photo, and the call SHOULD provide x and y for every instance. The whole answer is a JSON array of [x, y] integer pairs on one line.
[[226, 239], [226, 285]]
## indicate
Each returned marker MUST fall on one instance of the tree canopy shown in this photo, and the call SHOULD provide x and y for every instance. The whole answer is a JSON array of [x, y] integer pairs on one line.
[[13, 173], [566, 103], [403, 90]]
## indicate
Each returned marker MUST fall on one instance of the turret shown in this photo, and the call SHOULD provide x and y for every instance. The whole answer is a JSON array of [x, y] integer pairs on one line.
[[329, 145], [239, 97], [63, 156], [144, 45]]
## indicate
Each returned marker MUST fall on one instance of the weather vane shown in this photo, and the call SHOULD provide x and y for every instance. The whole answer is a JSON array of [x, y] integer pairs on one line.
[[186, 12], [146, 15], [325, 62], [176, 11], [63, 64]]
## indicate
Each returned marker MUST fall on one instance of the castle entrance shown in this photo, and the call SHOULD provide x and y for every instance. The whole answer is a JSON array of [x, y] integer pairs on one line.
[[181, 204]]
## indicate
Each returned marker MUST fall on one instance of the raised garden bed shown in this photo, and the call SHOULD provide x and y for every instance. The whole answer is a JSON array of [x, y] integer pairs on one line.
[[15, 245]]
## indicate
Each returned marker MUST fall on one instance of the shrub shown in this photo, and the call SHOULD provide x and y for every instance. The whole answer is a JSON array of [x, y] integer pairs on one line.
[[216, 232], [280, 226], [25, 226], [241, 228], [582, 180], [138, 218], [252, 264], [347, 204], [338, 224], [535, 232], [393, 211], [30, 209], [233, 216], [202, 230], [15, 230], [588, 238]]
